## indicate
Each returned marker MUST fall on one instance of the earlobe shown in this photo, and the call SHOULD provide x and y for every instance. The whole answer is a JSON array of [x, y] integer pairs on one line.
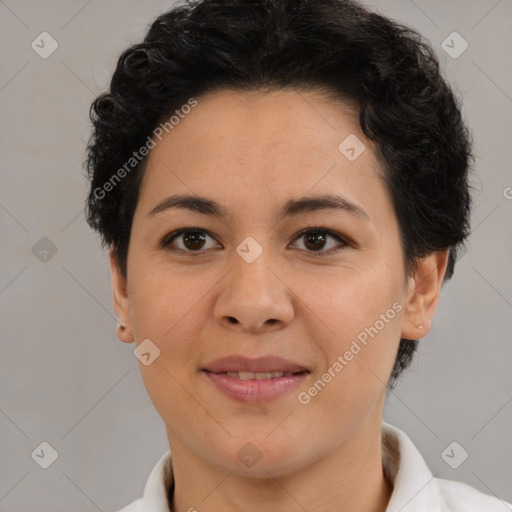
[[423, 294], [123, 334], [120, 300]]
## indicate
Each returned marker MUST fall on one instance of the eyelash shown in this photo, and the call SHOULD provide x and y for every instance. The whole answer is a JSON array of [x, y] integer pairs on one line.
[[168, 239]]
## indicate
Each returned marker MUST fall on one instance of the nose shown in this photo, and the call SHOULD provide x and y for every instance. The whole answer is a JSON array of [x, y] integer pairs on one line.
[[254, 297]]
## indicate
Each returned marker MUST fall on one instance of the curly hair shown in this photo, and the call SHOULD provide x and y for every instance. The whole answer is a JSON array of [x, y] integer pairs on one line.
[[389, 71]]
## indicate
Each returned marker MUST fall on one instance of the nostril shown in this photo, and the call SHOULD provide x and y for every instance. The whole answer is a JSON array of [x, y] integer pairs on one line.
[[232, 320]]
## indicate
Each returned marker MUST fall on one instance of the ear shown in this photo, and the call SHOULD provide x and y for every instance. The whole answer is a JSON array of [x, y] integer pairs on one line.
[[423, 293], [120, 300]]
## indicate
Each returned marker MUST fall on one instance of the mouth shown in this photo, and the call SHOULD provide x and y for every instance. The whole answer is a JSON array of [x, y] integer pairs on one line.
[[254, 388], [254, 380], [259, 375], [263, 367]]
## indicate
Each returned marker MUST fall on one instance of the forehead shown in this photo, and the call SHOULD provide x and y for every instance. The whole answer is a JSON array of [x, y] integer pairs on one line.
[[265, 145], [253, 121]]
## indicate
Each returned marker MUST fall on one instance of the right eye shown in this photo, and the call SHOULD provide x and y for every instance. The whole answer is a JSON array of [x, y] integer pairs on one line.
[[192, 240]]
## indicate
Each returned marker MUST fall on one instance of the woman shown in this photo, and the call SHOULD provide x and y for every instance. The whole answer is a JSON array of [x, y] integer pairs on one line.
[[283, 185]]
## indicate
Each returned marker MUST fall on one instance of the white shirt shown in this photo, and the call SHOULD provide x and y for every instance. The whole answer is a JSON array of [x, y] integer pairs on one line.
[[415, 488]]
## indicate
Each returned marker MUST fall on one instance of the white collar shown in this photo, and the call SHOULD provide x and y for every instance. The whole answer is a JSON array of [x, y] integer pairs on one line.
[[415, 488]]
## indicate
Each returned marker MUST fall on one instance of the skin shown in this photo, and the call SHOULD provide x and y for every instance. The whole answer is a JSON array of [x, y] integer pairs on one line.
[[252, 152]]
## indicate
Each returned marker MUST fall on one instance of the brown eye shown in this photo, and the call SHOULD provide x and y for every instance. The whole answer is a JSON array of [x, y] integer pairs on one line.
[[192, 240], [316, 239]]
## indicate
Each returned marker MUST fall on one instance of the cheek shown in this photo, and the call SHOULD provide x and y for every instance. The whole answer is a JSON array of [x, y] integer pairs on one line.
[[165, 300], [358, 349], [166, 306], [355, 317], [347, 301]]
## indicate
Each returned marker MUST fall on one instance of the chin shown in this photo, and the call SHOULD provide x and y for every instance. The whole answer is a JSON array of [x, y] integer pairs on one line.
[[261, 458]]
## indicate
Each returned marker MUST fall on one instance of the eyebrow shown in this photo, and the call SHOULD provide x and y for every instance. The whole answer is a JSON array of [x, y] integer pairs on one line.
[[292, 207]]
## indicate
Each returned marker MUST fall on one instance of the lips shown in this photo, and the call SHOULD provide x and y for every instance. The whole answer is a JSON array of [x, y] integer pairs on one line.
[[257, 375], [260, 368], [255, 381], [253, 391]]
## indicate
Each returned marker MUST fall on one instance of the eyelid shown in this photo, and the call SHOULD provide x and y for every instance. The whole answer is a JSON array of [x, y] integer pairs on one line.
[[329, 232], [170, 237]]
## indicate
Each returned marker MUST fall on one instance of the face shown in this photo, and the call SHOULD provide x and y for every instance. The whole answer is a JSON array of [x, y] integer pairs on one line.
[[321, 287]]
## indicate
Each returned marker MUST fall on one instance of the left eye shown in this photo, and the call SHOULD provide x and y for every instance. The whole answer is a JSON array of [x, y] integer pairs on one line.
[[193, 240], [318, 236]]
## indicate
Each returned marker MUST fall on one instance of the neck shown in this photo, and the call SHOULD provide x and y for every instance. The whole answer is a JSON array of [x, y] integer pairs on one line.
[[348, 478]]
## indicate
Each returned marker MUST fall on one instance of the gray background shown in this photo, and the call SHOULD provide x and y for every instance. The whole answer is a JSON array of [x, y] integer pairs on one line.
[[67, 380]]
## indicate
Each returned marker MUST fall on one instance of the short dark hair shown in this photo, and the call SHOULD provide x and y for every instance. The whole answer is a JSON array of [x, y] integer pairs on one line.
[[384, 68]]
